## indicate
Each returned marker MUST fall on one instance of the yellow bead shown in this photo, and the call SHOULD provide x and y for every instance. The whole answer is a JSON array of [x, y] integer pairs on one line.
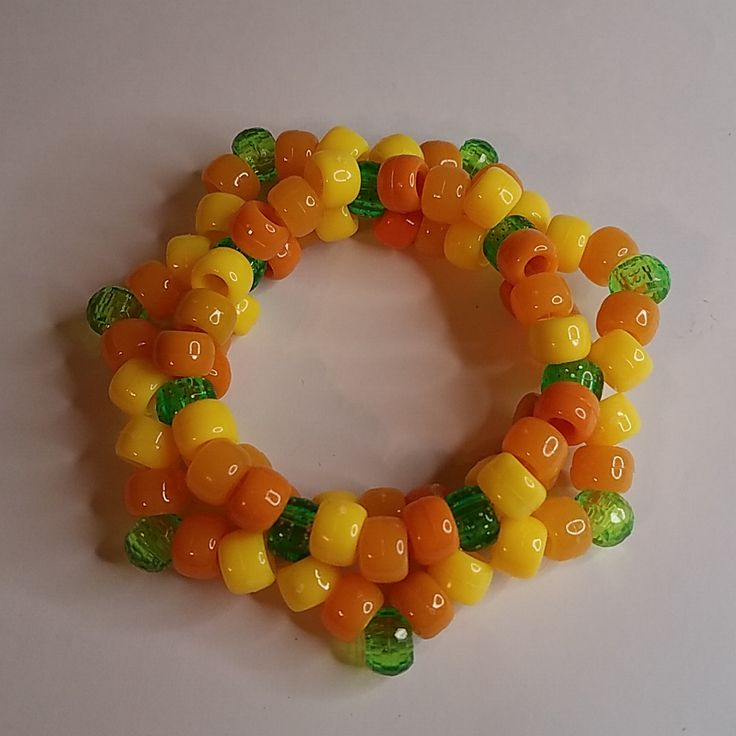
[[570, 236], [560, 339], [618, 421], [244, 562], [334, 176], [247, 312], [519, 549], [200, 422], [534, 207], [344, 140], [471, 479], [335, 495], [134, 384], [224, 270], [491, 197], [465, 579], [146, 442], [511, 488], [396, 144], [306, 583], [335, 532], [464, 245], [622, 359], [215, 214], [336, 224], [182, 252]]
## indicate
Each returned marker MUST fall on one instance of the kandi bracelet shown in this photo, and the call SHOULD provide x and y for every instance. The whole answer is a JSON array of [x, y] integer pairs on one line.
[[382, 566]]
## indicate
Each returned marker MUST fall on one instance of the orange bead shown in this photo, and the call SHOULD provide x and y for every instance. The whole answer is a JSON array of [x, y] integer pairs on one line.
[[195, 543], [220, 375], [432, 530], [524, 253], [570, 408], [383, 502], [157, 290], [208, 311], [630, 311], [258, 459], [525, 407], [504, 294], [154, 491], [424, 603], [427, 489], [257, 230], [541, 296], [430, 240], [397, 230], [400, 182], [259, 499], [568, 528], [230, 174], [184, 353], [606, 248], [285, 261], [441, 153], [383, 550], [297, 205], [126, 339], [602, 468], [443, 192], [216, 468], [538, 446], [350, 606], [293, 149]]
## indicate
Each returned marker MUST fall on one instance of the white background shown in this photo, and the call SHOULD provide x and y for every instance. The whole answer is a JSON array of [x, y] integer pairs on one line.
[[368, 367]]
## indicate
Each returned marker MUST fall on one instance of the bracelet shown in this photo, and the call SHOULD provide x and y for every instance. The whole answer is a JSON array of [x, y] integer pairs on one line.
[[385, 565]]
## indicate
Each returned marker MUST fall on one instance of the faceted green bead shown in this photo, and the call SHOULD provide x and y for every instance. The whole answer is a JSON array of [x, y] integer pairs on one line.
[[110, 304], [388, 642], [258, 266], [584, 372], [367, 203], [496, 235], [611, 516], [643, 274], [148, 543], [173, 396], [476, 154], [474, 516], [288, 538], [256, 146]]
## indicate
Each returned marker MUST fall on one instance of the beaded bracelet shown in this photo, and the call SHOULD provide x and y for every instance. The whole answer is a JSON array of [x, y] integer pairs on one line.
[[386, 565]]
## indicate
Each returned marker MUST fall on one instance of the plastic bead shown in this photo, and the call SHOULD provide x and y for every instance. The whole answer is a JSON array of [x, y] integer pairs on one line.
[[148, 544], [507, 169], [216, 214], [602, 469], [560, 339], [606, 248], [248, 309], [257, 231], [288, 538], [209, 311], [430, 240], [134, 384], [257, 458], [351, 653], [127, 339], [464, 578], [244, 564], [441, 153], [568, 528], [110, 304], [541, 296], [297, 205], [443, 193], [383, 551], [511, 488], [146, 442], [397, 230], [520, 547], [476, 521], [216, 468], [336, 494], [292, 150], [525, 407], [157, 290], [151, 492], [226, 271], [196, 545], [618, 421], [284, 262], [388, 643], [182, 353], [335, 532], [256, 146], [367, 203], [570, 236], [344, 140], [201, 422], [337, 224], [427, 489], [498, 234], [230, 174], [220, 375], [476, 154], [611, 516], [635, 313], [463, 245], [570, 408], [490, 198], [540, 447], [525, 252], [182, 252], [643, 274], [400, 183], [396, 144], [584, 372], [624, 362], [306, 583], [424, 603], [534, 208], [259, 499], [383, 502], [174, 395], [471, 477], [431, 529], [334, 176], [353, 602]]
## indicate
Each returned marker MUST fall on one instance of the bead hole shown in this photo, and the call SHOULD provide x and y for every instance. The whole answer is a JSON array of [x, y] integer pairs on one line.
[[538, 264], [215, 283], [565, 428]]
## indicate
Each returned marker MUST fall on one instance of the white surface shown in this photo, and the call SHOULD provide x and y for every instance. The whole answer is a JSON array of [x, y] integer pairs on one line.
[[368, 367]]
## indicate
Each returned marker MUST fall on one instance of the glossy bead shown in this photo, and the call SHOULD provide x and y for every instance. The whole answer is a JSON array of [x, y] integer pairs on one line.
[[230, 174], [464, 578], [570, 408], [292, 150], [570, 236], [383, 550], [424, 603], [534, 208], [463, 245], [388, 643], [540, 447], [400, 183], [144, 441], [624, 362], [498, 234], [335, 532], [110, 304], [611, 516], [471, 477], [226, 271], [441, 153], [396, 144], [643, 274], [248, 310], [216, 468], [216, 214], [504, 294], [244, 563], [335, 494], [288, 538], [525, 252], [256, 146], [151, 492], [127, 339], [541, 296], [383, 502], [157, 290], [477, 154], [511, 488], [431, 528], [148, 544], [525, 407], [367, 203], [258, 459], [201, 422], [602, 468], [490, 198], [336, 224], [617, 422], [195, 546], [334, 176], [606, 248], [353, 602], [427, 489], [430, 239], [297, 205], [182, 252], [520, 547], [344, 140], [397, 230], [635, 313], [476, 522], [443, 193], [208, 311], [584, 372], [560, 339], [568, 528], [184, 353], [134, 384], [285, 261], [306, 584], [220, 375], [257, 231]]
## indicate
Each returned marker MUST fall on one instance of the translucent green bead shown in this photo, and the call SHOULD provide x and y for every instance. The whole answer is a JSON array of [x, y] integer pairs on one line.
[[643, 274], [173, 396], [388, 642], [288, 538], [258, 266], [496, 235], [367, 203], [476, 154], [256, 146], [611, 516], [148, 543], [584, 372], [474, 516], [110, 304]]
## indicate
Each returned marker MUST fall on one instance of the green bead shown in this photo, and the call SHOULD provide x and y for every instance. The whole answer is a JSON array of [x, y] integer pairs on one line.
[[110, 304], [258, 266], [288, 538], [367, 203], [611, 516], [643, 274], [584, 372], [256, 146], [148, 543], [474, 516], [476, 154], [173, 396], [496, 235], [388, 642], [349, 652]]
